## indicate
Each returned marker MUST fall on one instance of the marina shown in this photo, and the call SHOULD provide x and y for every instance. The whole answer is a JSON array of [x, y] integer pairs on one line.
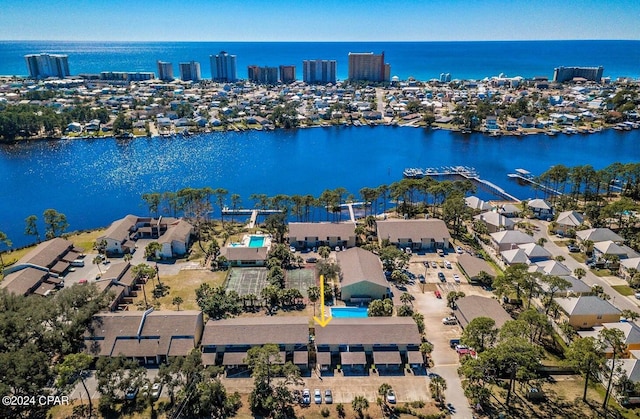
[[466, 172]]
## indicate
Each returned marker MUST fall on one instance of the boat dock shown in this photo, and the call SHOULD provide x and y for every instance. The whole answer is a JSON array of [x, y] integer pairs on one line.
[[253, 213], [526, 176], [350, 205], [463, 171]]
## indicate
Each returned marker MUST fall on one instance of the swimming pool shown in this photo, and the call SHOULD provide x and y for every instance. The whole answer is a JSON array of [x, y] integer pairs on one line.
[[256, 241], [349, 312]]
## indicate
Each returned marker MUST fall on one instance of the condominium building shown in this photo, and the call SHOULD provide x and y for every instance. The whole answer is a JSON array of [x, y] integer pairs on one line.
[[266, 75], [165, 71], [319, 71], [47, 65], [223, 67], [562, 74], [127, 76], [368, 67], [190, 71], [287, 73]]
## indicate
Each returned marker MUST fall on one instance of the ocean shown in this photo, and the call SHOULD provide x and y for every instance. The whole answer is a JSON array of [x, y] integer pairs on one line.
[[94, 182], [421, 60]]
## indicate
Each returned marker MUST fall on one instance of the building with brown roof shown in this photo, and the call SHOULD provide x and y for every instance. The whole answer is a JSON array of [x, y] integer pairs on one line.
[[38, 272], [474, 306], [309, 235], [354, 344], [362, 278], [425, 235], [245, 256], [176, 240], [472, 266], [226, 342], [150, 337]]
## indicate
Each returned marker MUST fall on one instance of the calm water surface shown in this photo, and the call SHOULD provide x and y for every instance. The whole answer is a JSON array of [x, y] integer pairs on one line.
[[94, 182]]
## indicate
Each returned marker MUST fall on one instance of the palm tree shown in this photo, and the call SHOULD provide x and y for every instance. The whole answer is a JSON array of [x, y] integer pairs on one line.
[[96, 261], [177, 301], [324, 252], [359, 404], [579, 273], [407, 298], [313, 293], [437, 386]]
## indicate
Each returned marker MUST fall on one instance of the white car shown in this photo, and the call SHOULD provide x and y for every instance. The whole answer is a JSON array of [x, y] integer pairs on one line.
[[306, 396], [292, 249], [447, 264], [317, 396], [456, 278], [450, 321], [459, 250], [391, 396], [637, 295]]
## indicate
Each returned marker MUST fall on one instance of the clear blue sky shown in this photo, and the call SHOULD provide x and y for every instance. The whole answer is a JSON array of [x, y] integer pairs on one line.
[[318, 20]]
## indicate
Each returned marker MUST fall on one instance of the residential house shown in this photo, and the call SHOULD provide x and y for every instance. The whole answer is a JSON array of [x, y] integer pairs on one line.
[[510, 210], [150, 337], [509, 239], [630, 330], [495, 222], [425, 235], [596, 235], [176, 240], [362, 278], [474, 306], [587, 311], [226, 342], [535, 252], [527, 121], [515, 256], [309, 235], [540, 209], [568, 221], [477, 204], [550, 267], [491, 123], [576, 287], [608, 247], [356, 343], [629, 266], [629, 368], [472, 267]]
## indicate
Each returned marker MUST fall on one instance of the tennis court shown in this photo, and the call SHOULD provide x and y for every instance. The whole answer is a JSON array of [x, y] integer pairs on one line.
[[301, 279], [247, 281]]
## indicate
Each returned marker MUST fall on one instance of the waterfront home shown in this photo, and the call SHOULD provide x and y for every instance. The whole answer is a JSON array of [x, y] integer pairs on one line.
[[491, 123], [540, 209], [472, 267], [494, 221], [474, 306], [568, 221], [361, 278], [510, 210], [176, 240], [587, 311], [476, 203], [509, 239], [418, 235], [149, 337], [309, 235], [356, 343], [226, 342], [598, 235], [38, 272], [527, 121]]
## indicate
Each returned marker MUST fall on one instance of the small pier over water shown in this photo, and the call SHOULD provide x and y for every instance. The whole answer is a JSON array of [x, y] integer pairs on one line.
[[526, 176], [463, 171], [252, 213]]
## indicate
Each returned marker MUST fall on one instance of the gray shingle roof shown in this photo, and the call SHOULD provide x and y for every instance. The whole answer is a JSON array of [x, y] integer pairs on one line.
[[369, 331], [475, 306], [360, 265], [321, 230], [586, 305], [256, 331], [416, 230]]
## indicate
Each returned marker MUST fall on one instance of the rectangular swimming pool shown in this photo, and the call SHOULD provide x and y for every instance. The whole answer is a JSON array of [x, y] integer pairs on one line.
[[256, 241], [349, 312]]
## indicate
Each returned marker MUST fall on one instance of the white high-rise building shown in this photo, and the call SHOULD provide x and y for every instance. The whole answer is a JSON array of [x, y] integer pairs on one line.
[[190, 71], [223, 67], [165, 71], [47, 65], [319, 71]]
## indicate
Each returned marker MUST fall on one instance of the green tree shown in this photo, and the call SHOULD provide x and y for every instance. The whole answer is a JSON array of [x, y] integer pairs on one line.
[[216, 302], [407, 298], [437, 386], [324, 252], [586, 356], [3, 240], [72, 368], [176, 301], [393, 258], [359, 405], [214, 402], [579, 273], [313, 293], [381, 308], [31, 227], [454, 296], [97, 261], [152, 250], [480, 333], [614, 339], [55, 222], [276, 224]]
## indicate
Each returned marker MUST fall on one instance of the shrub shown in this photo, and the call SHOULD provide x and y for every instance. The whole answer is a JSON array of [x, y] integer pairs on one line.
[[325, 412]]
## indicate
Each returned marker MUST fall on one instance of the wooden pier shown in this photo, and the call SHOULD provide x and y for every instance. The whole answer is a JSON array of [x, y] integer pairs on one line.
[[526, 176], [252, 213], [471, 174]]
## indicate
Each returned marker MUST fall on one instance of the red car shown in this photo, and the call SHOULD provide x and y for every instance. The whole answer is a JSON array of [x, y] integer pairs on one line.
[[437, 293]]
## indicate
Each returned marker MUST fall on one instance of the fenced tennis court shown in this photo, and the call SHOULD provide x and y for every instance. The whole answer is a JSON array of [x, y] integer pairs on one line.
[[247, 281], [301, 279]]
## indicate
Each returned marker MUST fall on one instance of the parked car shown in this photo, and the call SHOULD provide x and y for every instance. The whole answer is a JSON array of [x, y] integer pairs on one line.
[[131, 393], [441, 277], [421, 279], [437, 293], [447, 264], [440, 252], [328, 397], [391, 396], [637, 295], [426, 263], [292, 249], [456, 278], [573, 248], [317, 396], [459, 250], [449, 321], [454, 342], [156, 389], [312, 260], [306, 396], [434, 264]]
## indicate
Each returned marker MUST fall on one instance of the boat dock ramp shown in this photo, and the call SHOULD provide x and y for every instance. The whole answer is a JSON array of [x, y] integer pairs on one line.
[[253, 213], [526, 176]]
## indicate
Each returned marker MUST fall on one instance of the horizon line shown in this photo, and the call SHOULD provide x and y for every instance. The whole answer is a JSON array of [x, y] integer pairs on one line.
[[321, 41]]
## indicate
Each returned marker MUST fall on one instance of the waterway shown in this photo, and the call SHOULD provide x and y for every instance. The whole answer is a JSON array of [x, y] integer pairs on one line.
[[94, 182]]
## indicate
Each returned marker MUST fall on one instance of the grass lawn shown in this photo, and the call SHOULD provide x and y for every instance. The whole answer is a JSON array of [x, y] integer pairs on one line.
[[580, 257], [624, 289], [182, 285], [601, 272]]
